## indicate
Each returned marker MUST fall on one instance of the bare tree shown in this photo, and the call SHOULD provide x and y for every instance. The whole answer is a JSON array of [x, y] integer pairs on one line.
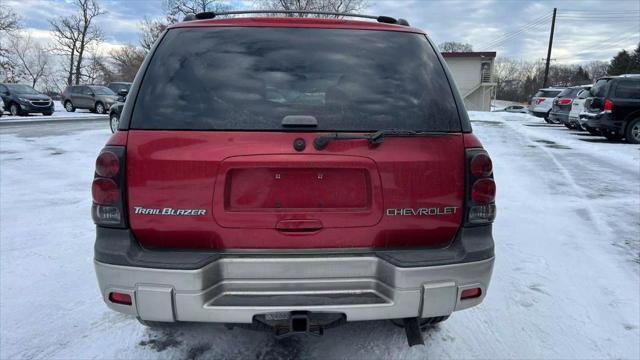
[[97, 69], [9, 25], [89, 33], [177, 9], [9, 20], [596, 69], [452, 46], [151, 30], [31, 59], [126, 61], [66, 36], [75, 33], [337, 6]]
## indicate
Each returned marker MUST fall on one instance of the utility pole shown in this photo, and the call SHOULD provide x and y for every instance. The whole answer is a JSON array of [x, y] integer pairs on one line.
[[546, 67]]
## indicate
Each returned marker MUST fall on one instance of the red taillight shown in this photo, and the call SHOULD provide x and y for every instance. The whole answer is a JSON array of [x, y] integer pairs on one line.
[[538, 101], [470, 293], [564, 101], [608, 105], [481, 166], [120, 298], [105, 191], [107, 164], [483, 191]]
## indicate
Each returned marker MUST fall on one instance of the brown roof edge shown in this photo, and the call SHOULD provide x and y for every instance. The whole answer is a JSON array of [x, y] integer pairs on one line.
[[489, 54]]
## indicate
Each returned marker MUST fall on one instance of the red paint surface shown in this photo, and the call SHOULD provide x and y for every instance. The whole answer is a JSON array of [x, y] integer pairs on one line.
[[229, 174], [295, 22], [119, 138], [471, 141]]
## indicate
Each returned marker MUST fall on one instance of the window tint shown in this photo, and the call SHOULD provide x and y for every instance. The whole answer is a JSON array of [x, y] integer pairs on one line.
[[102, 90], [628, 90], [251, 78], [583, 94]]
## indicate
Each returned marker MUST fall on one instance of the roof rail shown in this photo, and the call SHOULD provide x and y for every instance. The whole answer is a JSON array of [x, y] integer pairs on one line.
[[211, 15]]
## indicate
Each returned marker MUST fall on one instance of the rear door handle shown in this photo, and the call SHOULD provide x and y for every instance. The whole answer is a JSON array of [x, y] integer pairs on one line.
[[299, 225]]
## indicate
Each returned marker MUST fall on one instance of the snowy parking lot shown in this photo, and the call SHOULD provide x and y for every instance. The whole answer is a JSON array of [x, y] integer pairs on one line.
[[566, 279]]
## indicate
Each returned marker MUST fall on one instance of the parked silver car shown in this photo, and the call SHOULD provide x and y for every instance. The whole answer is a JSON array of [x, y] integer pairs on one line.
[[542, 102], [94, 98]]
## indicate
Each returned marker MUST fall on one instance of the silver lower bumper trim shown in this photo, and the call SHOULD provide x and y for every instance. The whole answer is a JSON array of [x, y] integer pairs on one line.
[[233, 290]]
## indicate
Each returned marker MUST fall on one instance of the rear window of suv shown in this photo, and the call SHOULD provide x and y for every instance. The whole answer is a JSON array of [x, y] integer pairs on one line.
[[569, 93], [547, 93], [251, 78]]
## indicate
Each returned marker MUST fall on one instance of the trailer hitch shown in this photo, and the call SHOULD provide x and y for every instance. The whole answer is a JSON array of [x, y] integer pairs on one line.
[[298, 324]]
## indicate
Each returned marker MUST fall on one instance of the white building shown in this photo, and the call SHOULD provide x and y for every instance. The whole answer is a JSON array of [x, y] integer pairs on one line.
[[473, 74]]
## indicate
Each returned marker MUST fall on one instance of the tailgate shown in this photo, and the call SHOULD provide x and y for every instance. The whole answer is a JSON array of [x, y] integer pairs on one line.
[[253, 190]]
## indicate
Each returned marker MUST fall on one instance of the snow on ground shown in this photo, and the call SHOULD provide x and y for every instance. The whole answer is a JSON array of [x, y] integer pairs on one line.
[[58, 114], [565, 285]]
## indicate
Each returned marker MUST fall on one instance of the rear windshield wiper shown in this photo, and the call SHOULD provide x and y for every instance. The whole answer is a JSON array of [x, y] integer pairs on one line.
[[375, 138]]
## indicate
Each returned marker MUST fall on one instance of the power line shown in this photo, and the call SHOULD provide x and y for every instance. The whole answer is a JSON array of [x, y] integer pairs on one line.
[[503, 40], [522, 28], [509, 35]]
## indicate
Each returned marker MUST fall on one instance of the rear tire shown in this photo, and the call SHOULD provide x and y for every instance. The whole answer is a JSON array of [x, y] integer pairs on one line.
[[114, 120], [68, 105], [568, 126], [632, 132], [100, 109]]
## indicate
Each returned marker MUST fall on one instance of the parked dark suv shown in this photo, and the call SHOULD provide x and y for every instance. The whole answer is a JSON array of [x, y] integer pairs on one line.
[[22, 99], [294, 173], [614, 108], [92, 97]]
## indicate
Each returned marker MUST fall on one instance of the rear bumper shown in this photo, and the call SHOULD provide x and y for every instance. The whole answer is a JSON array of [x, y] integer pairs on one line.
[[540, 114], [603, 121], [559, 116], [233, 288]]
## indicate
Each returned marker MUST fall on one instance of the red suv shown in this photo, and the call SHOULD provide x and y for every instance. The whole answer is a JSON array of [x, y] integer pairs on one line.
[[294, 174]]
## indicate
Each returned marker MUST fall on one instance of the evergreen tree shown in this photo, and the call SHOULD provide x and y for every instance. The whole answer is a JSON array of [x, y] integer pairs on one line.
[[580, 77], [623, 63]]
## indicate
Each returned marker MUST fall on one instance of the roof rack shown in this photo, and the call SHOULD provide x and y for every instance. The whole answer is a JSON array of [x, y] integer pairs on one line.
[[211, 15]]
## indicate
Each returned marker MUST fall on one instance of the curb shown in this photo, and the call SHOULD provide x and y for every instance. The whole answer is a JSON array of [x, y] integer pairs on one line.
[[52, 121]]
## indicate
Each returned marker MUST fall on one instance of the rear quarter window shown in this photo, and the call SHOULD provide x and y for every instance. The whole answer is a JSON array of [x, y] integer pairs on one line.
[[236, 78], [627, 90]]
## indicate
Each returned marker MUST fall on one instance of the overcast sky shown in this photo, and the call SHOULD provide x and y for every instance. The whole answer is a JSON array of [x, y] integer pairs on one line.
[[585, 30]]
